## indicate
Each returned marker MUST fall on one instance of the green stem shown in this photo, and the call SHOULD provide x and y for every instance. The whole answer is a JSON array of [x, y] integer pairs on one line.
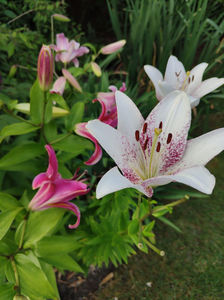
[[23, 232], [154, 248], [140, 222], [43, 117], [9, 112], [61, 138], [170, 204], [17, 287]]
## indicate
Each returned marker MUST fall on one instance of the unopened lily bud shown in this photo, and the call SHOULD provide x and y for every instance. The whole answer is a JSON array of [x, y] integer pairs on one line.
[[59, 86], [20, 297], [111, 48], [59, 112], [45, 68], [71, 79], [12, 71], [23, 107], [96, 69], [61, 18]]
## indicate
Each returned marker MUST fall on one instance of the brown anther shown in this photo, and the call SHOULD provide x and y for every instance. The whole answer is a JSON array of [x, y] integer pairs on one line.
[[137, 135], [189, 80], [169, 138], [144, 128], [145, 144], [161, 125], [192, 78], [158, 147]]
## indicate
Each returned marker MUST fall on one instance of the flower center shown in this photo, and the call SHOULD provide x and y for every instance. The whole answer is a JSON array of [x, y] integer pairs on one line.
[[188, 79]]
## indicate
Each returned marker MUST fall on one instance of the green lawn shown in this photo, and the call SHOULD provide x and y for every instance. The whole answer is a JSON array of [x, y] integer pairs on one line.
[[193, 267]]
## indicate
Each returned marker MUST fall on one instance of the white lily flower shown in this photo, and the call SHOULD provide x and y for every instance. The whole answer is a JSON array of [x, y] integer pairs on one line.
[[176, 78], [155, 151]]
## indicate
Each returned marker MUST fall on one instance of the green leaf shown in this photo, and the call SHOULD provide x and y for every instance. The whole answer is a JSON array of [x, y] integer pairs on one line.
[[73, 144], [64, 262], [40, 224], [6, 219], [33, 280], [148, 229], [8, 202], [36, 103], [133, 227], [169, 223], [75, 116], [20, 154], [48, 111], [54, 245], [49, 272], [6, 291], [59, 100], [16, 129]]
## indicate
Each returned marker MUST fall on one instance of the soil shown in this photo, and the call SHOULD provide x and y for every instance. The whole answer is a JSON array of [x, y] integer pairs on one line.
[[76, 287]]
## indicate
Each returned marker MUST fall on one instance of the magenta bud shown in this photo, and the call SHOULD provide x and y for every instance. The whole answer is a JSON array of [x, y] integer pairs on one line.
[[45, 67], [111, 48]]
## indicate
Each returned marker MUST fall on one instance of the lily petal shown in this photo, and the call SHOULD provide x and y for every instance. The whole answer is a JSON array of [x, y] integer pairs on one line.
[[39, 180], [81, 130], [129, 117], [208, 86], [66, 189], [196, 75], [175, 72], [109, 138], [201, 150], [174, 115], [52, 170], [197, 177], [113, 181], [155, 76], [42, 196], [73, 208]]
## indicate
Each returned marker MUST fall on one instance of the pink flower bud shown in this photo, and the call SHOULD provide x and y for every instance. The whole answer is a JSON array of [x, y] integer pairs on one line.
[[45, 67], [71, 79], [111, 48]]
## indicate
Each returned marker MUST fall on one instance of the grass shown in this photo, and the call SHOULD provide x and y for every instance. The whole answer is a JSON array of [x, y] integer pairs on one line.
[[192, 268]]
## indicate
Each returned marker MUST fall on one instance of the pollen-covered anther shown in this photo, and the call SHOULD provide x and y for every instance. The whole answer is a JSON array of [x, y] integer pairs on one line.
[[192, 79], [169, 138], [144, 128], [145, 144], [161, 125], [157, 131], [158, 147], [137, 135]]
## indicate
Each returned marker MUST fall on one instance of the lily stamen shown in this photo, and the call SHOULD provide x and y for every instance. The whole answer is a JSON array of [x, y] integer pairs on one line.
[[185, 80]]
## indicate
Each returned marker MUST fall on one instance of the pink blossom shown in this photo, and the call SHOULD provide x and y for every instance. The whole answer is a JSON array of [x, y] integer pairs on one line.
[[108, 115], [113, 47], [59, 86], [68, 51], [54, 191]]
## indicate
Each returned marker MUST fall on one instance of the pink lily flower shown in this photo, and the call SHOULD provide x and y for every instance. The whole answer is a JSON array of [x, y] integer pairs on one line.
[[108, 115], [176, 78], [68, 51], [155, 151], [54, 191]]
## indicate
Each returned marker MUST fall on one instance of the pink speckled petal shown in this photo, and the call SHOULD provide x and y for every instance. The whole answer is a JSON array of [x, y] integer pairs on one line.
[[73, 208], [81, 130], [109, 110], [113, 181], [113, 142], [52, 170], [197, 177], [62, 42], [174, 113]]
